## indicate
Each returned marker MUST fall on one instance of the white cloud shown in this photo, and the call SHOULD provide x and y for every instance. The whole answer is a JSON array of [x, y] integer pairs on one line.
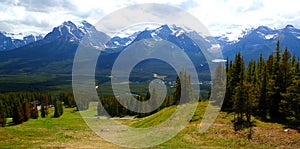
[[217, 15]]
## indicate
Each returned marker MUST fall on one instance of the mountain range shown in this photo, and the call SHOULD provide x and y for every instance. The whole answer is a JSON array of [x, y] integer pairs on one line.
[[9, 41], [54, 52], [262, 40]]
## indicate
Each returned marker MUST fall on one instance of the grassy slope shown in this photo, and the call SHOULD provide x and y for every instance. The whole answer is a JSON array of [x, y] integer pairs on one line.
[[70, 131], [222, 134]]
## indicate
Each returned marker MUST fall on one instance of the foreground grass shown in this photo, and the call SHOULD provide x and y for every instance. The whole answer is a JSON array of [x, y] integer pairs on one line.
[[70, 131]]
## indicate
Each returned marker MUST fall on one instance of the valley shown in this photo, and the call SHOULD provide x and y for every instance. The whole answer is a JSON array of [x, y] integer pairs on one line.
[[260, 70]]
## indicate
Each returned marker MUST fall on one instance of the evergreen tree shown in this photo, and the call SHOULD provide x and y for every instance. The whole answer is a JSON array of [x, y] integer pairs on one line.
[[177, 91], [58, 109], [183, 89], [2, 115], [218, 85], [43, 111], [26, 108], [234, 79], [276, 87], [236, 82], [290, 105], [262, 105], [18, 116], [34, 112], [285, 70]]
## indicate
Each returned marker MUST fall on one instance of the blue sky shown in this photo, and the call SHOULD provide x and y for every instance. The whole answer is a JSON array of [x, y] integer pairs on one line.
[[218, 16]]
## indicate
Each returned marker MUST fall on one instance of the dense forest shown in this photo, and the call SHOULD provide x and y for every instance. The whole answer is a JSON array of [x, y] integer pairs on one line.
[[267, 89]]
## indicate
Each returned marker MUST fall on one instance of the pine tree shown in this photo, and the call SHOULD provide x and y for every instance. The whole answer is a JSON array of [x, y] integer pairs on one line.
[[26, 108], [34, 112], [18, 116], [276, 87], [2, 115], [265, 89], [236, 82], [189, 88], [177, 91], [218, 85], [234, 79], [291, 100], [262, 105], [285, 69], [43, 111], [58, 109], [183, 92]]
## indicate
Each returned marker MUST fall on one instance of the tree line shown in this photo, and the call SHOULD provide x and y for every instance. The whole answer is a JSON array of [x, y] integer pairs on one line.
[[183, 93], [268, 89], [21, 106]]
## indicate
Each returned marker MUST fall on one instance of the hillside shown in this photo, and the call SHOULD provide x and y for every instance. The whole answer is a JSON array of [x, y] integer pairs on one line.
[[70, 131]]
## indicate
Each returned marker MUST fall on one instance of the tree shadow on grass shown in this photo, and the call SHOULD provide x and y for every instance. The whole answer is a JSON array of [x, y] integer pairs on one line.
[[241, 125], [293, 125]]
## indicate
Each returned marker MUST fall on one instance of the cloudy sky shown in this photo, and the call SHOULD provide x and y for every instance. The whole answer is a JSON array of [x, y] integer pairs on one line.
[[218, 16]]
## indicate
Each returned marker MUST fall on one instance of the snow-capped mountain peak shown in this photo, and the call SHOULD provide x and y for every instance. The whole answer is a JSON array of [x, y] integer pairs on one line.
[[71, 31], [171, 33], [21, 36], [9, 41], [265, 32], [263, 40], [233, 35], [67, 31]]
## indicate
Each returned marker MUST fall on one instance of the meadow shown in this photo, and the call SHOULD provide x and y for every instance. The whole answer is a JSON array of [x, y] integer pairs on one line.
[[71, 131]]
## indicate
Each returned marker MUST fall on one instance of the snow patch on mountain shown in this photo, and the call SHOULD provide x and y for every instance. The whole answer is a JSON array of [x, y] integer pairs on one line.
[[229, 34], [21, 36], [179, 32], [271, 36], [155, 36], [235, 36], [297, 34]]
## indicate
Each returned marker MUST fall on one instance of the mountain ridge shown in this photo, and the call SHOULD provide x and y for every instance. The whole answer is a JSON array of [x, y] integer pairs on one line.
[[57, 48], [77, 31], [9, 41], [68, 36], [263, 40]]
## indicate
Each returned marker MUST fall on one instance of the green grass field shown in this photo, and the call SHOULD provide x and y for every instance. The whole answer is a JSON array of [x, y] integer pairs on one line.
[[70, 131]]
